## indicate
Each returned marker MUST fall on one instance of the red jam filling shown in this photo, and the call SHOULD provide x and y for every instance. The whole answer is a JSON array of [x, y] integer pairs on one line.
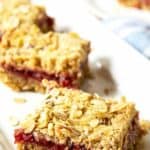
[[64, 80], [21, 137]]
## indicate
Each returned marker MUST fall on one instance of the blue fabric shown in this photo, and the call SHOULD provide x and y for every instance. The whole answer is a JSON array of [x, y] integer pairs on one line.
[[134, 31]]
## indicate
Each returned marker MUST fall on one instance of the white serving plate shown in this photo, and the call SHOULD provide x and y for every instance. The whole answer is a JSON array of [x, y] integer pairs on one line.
[[112, 8], [120, 67]]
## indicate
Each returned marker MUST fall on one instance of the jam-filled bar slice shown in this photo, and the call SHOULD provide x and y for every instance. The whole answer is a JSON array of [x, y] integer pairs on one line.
[[28, 56], [16, 12], [74, 120]]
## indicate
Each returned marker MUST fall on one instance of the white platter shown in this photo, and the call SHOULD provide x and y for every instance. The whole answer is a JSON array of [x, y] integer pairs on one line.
[[122, 69]]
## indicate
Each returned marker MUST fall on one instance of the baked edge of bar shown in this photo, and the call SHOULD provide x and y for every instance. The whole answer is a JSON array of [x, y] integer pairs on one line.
[[35, 146], [19, 83]]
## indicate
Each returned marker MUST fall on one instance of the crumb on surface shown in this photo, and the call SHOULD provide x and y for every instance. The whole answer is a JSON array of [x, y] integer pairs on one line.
[[20, 100]]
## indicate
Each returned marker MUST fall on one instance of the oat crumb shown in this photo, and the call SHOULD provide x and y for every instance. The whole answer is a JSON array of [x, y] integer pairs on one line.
[[145, 126], [20, 100]]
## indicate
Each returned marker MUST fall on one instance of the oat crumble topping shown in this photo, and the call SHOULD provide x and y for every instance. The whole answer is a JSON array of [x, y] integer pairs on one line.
[[13, 13], [86, 119], [28, 48]]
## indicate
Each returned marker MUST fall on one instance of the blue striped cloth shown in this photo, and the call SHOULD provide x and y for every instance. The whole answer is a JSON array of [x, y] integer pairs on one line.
[[134, 31]]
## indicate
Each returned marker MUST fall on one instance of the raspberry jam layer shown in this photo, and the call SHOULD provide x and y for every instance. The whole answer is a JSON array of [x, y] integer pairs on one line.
[[22, 138], [64, 80], [130, 140]]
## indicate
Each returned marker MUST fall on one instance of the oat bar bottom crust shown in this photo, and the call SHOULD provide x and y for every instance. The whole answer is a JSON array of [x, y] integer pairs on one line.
[[30, 147], [20, 84]]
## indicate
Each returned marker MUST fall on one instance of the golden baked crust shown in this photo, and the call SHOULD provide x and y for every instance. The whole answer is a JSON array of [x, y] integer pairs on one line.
[[130, 2], [18, 83], [30, 147], [13, 3], [16, 12], [141, 4], [84, 119]]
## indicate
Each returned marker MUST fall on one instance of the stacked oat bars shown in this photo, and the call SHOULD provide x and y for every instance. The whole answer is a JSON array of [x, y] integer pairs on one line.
[[30, 52], [28, 55]]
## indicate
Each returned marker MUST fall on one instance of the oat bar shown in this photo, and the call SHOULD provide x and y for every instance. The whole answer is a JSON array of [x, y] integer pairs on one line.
[[13, 13], [28, 56], [75, 120]]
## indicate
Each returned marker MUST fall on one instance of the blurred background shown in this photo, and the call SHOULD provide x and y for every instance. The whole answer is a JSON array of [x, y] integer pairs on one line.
[[128, 19]]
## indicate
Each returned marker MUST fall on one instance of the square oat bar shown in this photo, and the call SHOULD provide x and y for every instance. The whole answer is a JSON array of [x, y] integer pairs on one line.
[[16, 12], [72, 119], [28, 56]]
